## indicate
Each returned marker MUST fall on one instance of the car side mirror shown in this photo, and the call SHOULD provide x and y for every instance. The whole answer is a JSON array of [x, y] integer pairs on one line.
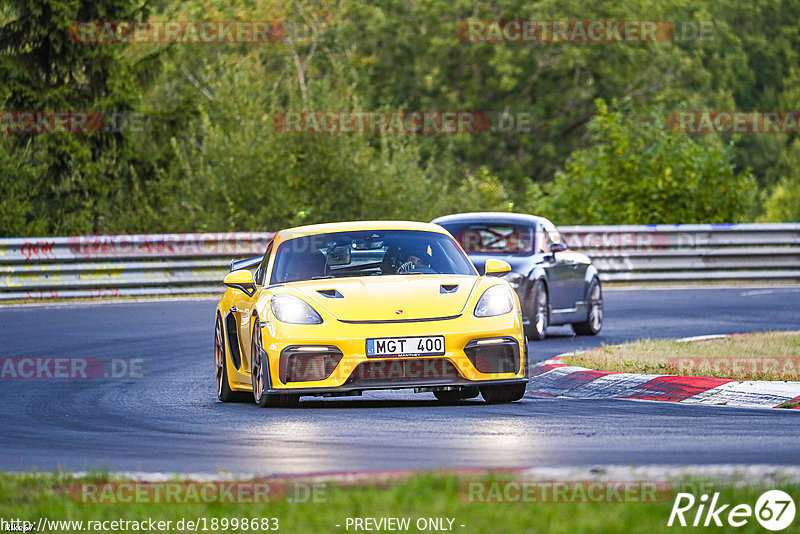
[[558, 247], [242, 280], [496, 267]]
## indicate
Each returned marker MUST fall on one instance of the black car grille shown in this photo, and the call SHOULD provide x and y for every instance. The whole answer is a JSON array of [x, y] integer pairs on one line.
[[299, 364], [499, 355]]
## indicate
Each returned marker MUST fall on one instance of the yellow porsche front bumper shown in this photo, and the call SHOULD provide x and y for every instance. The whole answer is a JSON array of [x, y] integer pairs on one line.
[[331, 357]]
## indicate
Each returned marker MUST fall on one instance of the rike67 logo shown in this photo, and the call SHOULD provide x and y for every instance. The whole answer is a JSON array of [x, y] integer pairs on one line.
[[774, 510]]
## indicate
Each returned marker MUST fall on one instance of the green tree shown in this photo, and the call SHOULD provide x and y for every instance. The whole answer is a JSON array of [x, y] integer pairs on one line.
[[228, 168], [43, 69], [782, 200], [639, 172], [18, 182], [211, 160]]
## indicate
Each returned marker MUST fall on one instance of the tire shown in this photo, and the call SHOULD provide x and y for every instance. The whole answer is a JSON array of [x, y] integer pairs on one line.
[[259, 375], [224, 391], [453, 395], [594, 317], [538, 312], [503, 394]]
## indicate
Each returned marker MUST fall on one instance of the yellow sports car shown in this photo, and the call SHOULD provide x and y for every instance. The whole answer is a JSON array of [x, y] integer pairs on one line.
[[337, 309]]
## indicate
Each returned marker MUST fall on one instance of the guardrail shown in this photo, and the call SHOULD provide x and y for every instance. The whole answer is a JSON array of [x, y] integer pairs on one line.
[[121, 265], [176, 264], [690, 252]]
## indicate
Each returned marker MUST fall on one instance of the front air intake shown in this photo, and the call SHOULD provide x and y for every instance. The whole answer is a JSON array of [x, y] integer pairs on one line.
[[308, 363], [496, 355]]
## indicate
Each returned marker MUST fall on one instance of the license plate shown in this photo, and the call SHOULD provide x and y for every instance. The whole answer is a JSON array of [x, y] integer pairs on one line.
[[405, 346]]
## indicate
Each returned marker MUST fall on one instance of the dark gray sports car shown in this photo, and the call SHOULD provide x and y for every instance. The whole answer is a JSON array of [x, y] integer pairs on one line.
[[555, 286]]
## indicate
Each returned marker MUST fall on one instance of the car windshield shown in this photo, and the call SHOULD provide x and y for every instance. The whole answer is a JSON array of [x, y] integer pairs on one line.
[[368, 253], [489, 238]]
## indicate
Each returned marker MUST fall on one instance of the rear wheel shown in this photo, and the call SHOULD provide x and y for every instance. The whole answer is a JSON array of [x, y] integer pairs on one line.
[[224, 391], [452, 395], [260, 375], [594, 318], [503, 394], [538, 312]]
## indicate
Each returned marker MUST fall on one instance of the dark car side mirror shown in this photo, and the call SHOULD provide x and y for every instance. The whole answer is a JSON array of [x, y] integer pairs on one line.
[[558, 247]]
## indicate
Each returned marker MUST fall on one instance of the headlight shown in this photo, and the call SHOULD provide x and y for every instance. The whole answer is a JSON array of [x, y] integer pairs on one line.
[[514, 280], [496, 300], [289, 309]]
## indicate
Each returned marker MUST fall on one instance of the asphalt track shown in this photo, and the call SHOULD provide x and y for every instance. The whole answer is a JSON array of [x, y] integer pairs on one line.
[[170, 420]]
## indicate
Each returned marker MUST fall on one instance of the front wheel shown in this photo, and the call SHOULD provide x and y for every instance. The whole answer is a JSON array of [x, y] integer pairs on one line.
[[538, 312], [259, 376], [503, 394], [594, 318]]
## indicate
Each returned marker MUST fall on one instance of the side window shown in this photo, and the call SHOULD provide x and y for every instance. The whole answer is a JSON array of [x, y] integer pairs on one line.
[[547, 237], [262, 269]]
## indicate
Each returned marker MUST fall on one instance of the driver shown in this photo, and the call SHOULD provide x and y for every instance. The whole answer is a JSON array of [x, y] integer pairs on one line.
[[416, 259]]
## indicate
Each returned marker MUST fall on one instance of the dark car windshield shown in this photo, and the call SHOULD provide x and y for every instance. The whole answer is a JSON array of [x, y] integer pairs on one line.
[[489, 238], [368, 253]]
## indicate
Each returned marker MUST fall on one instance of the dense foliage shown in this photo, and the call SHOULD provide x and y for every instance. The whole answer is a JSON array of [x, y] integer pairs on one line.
[[596, 147]]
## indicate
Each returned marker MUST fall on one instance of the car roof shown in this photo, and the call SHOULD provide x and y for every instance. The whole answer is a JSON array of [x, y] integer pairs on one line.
[[314, 229], [492, 217]]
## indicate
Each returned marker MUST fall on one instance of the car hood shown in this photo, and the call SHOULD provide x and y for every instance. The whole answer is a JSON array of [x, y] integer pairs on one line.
[[524, 264], [391, 297]]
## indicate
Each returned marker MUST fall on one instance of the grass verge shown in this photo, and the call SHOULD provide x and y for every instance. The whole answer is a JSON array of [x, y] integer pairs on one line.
[[435, 496], [760, 356]]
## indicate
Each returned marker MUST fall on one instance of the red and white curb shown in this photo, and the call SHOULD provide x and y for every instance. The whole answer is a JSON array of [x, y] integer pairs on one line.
[[554, 378]]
